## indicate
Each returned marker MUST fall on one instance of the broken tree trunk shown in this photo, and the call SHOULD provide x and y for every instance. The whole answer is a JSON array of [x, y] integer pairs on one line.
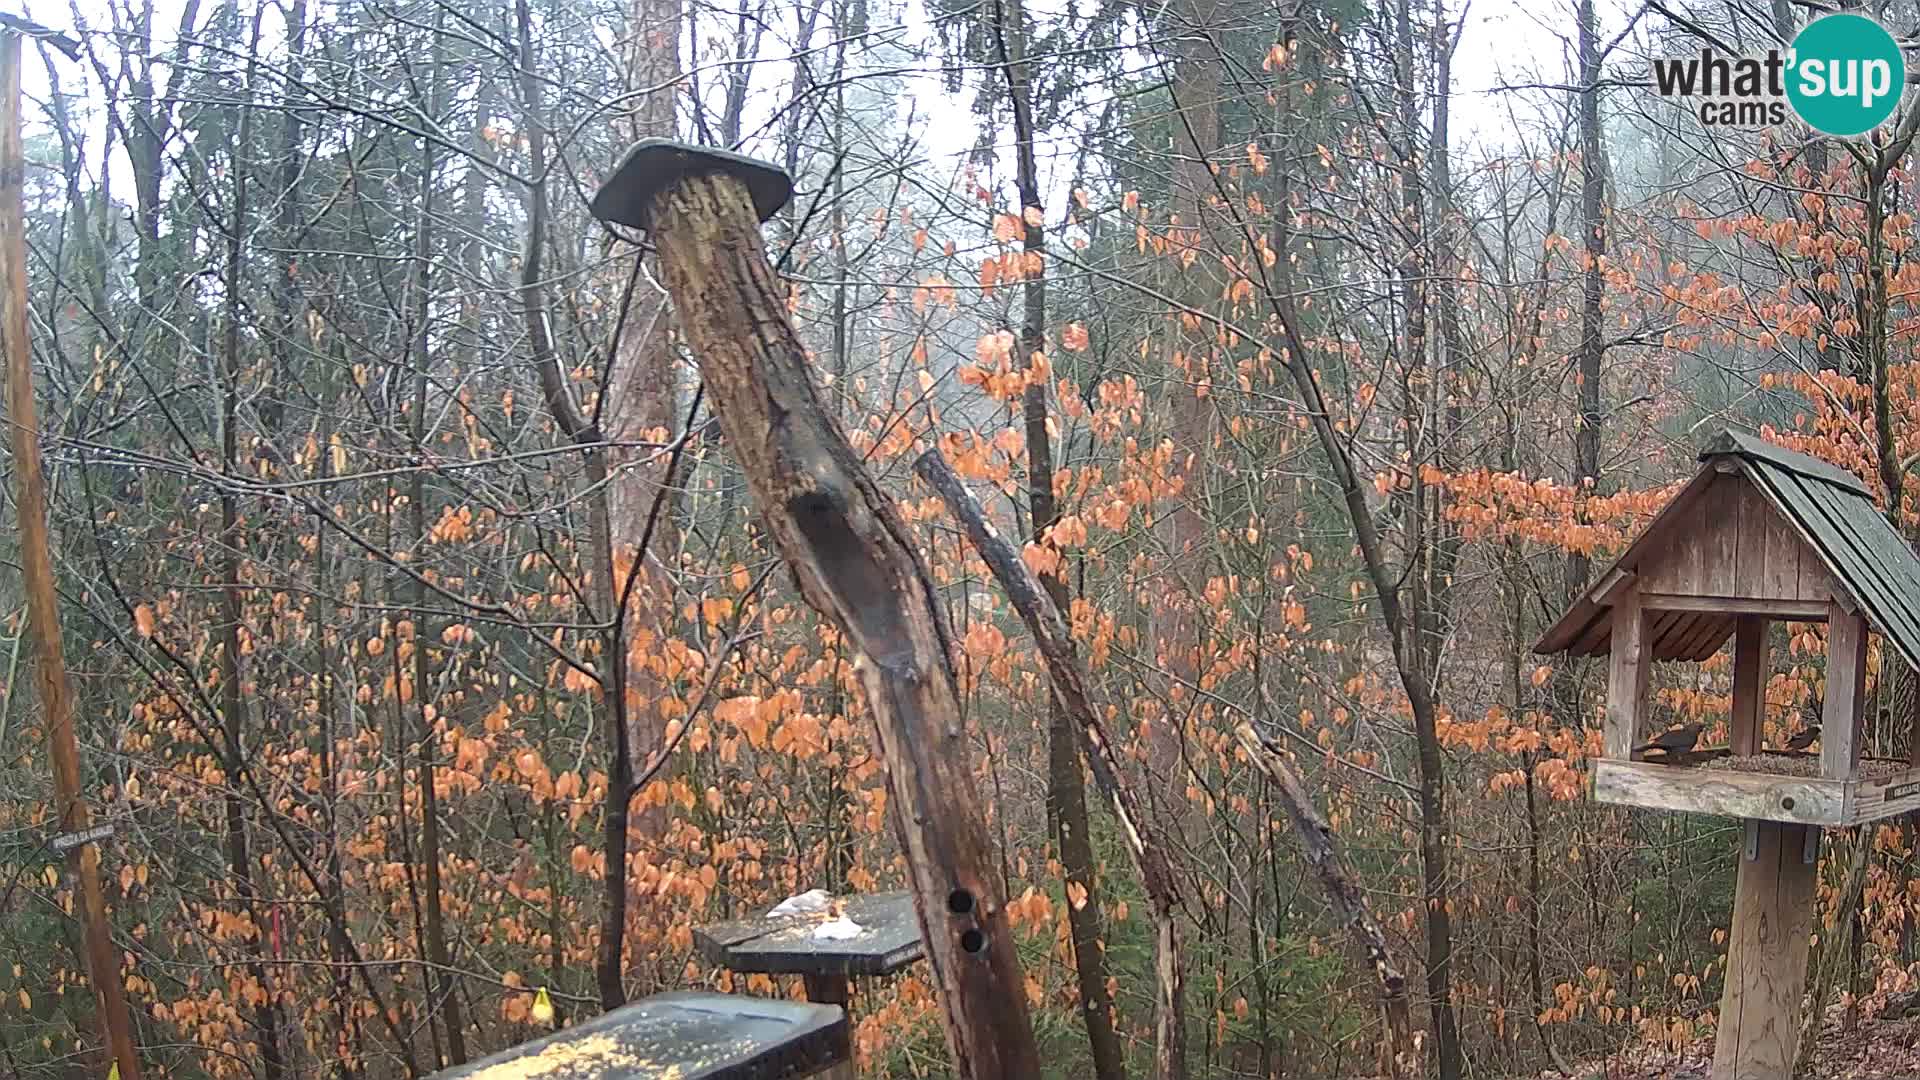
[[854, 561], [1049, 629], [1317, 846]]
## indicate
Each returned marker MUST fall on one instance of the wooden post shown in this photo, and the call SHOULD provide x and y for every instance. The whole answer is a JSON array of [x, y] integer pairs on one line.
[[1842, 716], [1766, 957], [824, 989], [1749, 684], [834, 990], [1627, 664], [854, 561], [36, 559]]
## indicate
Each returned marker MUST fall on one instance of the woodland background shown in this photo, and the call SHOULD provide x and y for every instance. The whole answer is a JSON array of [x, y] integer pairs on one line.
[[400, 557]]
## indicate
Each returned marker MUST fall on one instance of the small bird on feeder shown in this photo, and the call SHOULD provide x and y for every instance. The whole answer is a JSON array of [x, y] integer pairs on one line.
[[1677, 741], [1804, 738]]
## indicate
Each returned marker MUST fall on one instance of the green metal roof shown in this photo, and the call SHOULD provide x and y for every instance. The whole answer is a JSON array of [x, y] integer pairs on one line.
[[1835, 514]]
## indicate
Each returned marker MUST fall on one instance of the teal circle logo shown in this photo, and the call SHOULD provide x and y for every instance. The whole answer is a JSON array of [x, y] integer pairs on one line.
[[1846, 75]]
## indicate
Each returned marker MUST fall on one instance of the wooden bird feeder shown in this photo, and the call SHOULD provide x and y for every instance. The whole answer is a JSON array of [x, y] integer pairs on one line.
[[1761, 533]]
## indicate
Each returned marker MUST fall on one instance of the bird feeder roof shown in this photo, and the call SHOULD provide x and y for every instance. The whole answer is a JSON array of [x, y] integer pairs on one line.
[[1844, 541]]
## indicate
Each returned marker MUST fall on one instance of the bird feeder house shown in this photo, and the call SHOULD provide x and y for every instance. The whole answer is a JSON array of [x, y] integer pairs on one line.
[[1760, 534]]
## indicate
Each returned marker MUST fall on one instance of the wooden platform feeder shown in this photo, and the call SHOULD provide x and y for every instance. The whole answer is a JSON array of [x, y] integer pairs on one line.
[[1761, 533], [683, 1036]]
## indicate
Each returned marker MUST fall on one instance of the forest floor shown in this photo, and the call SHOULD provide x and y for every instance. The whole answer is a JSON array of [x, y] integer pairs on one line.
[[1874, 1049]]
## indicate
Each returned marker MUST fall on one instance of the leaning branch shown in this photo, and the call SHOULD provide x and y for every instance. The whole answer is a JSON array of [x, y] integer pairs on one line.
[[1322, 853], [1050, 632]]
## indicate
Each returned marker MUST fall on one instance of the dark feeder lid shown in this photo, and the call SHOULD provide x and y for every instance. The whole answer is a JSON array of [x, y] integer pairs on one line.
[[654, 165]]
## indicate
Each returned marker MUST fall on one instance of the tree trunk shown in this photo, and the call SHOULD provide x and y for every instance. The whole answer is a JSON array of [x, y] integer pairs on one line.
[[36, 559], [855, 562], [1066, 793], [639, 402], [609, 598], [1344, 894], [266, 1012], [1593, 230], [444, 995]]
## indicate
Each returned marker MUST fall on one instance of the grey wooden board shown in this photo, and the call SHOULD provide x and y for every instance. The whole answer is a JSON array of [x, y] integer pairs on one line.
[[685, 1036], [786, 945]]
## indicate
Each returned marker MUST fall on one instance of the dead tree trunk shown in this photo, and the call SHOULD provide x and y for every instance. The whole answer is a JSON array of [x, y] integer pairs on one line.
[[854, 561], [1317, 847]]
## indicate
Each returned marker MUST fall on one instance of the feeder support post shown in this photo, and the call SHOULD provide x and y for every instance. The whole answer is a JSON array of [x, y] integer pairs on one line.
[[1766, 973]]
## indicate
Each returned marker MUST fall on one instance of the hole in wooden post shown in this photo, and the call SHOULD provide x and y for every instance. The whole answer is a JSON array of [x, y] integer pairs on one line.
[[960, 901], [974, 940]]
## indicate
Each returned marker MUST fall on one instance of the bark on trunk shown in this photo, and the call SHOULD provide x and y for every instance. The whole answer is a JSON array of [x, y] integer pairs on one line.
[[266, 1014], [640, 401], [36, 558], [443, 988], [610, 599]]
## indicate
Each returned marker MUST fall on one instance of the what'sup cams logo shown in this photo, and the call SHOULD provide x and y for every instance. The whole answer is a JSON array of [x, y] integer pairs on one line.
[[1843, 76]]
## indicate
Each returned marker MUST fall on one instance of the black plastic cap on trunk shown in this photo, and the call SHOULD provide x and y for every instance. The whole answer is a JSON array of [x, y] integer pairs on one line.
[[655, 165]]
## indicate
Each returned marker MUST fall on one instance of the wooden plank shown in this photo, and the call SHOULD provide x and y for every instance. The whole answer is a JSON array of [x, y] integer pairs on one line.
[[828, 989], [1664, 638], [1707, 636], [1780, 576], [1679, 565], [1661, 623], [1816, 583], [1805, 522], [1749, 684], [1763, 796], [1841, 714], [1627, 664], [1875, 800], [1766, 958], [1592, 640], [1799, 610], [1610, 587], [889, 939], [1719, 541], [1752, 518]]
